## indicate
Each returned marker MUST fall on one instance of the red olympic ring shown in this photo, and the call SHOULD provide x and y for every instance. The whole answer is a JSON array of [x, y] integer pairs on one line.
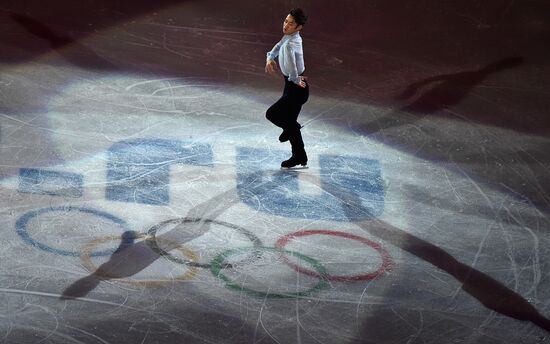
[[386, 259]]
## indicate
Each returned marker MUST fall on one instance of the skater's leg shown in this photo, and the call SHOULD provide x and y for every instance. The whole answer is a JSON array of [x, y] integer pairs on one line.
[[299, 156], [284, 113], [276, 112], [298, 96], [291, 124]]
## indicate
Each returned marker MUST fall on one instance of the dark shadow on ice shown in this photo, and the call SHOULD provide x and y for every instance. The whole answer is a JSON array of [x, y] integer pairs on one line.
[[42, 31], [81, 18], [131, 257], [127, 260], [491, 293], [178, 322], [69, 48], [450, 89], [515, 214], [443, 91]]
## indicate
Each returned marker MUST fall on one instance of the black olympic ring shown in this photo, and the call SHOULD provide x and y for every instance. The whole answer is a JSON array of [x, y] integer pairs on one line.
[[152, 241]]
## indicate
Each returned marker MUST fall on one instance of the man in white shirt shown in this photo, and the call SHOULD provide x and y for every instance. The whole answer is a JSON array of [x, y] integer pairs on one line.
[[284, 113]]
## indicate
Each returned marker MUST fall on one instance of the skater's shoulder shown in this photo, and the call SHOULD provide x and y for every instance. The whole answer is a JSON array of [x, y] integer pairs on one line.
[[295, 37], [295, 42]]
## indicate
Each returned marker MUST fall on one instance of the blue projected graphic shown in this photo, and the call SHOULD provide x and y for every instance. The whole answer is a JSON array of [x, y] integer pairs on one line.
[[352, 188], [138, 170], [50, 182]]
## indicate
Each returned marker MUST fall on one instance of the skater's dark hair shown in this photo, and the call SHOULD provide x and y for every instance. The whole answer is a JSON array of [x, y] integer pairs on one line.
[[299, 16]]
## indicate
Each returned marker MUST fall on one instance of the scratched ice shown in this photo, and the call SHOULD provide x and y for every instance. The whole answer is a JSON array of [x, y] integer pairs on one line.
[[142, 200]]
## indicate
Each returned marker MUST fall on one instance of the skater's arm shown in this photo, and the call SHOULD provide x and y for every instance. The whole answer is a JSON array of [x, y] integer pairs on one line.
[[273, 53], [270, 64]]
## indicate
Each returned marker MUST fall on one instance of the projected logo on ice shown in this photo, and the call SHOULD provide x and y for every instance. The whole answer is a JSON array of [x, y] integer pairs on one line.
[[179, 123], [138, 171], [174, 168]]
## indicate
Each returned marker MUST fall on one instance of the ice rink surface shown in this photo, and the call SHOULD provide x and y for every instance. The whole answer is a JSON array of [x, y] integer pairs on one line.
[[141, 198]]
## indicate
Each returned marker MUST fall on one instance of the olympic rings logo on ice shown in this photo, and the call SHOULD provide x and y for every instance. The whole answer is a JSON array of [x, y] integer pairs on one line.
[[138, 172], [218, 266]]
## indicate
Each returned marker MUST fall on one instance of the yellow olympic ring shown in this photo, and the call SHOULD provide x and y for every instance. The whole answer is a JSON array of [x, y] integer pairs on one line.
[[85, 258]]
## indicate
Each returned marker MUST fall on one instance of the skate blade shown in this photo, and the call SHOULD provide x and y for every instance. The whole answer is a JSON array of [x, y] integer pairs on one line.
[[295, 168]]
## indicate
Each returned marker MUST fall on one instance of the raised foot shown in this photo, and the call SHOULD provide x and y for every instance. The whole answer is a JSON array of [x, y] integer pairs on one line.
[[285, 135]]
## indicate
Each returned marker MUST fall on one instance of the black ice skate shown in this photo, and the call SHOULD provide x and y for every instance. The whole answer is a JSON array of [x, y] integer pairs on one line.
[[299, 156], [295, 160]]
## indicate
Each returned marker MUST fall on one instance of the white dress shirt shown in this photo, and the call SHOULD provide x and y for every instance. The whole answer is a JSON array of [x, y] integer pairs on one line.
[[291, 56]]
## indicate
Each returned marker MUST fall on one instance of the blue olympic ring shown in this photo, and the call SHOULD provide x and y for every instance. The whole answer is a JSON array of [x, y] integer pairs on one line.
[[21, 229]]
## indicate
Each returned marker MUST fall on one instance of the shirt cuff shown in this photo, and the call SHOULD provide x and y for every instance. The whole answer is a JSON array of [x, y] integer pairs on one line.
[[294, 79]]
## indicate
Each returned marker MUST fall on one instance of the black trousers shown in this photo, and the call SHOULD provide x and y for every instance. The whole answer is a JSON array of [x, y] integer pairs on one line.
[[284, 113]]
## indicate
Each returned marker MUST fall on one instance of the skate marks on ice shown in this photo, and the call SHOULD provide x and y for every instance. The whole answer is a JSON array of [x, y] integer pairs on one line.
[[441, 92], [144, 253], [129, 259], [477, 284], [138, 171], [53, 183], [137, 256], [55, 218], [285, 199], [69, 48], [488, 291], [133, 257]]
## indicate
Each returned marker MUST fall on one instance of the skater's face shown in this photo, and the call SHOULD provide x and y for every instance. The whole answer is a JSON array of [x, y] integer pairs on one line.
[[290, 26]]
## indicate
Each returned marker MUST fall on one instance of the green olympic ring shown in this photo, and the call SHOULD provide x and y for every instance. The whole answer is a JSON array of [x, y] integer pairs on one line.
[[217, 265]]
